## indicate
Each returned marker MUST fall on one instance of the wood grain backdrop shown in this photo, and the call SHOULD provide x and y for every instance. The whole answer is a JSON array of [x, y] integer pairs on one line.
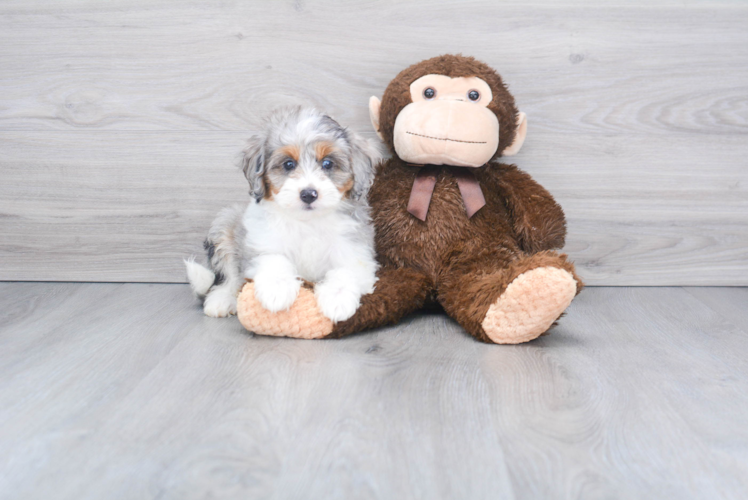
[[120, 122]]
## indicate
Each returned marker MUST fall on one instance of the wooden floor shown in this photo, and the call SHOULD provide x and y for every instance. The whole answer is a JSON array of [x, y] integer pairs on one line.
[[128, 391]]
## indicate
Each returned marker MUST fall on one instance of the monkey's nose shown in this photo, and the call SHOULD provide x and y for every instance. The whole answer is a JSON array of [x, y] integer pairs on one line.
[[308, 195]]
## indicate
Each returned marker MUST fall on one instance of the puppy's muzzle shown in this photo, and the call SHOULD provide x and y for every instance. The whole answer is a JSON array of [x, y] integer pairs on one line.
[[308, 196]]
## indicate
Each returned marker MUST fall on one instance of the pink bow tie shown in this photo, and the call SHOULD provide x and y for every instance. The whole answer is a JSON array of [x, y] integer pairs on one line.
[[425, 181]]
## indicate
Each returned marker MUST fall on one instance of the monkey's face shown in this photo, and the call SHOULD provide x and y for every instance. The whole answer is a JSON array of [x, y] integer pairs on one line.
[[448, 110], [448, 123]]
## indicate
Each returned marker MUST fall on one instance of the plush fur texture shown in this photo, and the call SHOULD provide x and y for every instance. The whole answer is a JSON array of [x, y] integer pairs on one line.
[[464, 264], [309, 220]]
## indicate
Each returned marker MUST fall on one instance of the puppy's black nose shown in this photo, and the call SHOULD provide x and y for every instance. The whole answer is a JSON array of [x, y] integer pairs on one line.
[[308, 196]]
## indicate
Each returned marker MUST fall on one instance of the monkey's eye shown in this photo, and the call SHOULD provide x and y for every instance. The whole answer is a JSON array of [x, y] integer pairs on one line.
[[429, 93], [473, 95], [327, 164], [289, 165]]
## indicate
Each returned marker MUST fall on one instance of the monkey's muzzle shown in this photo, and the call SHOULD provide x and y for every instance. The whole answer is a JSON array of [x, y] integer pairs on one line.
[[446, 132]]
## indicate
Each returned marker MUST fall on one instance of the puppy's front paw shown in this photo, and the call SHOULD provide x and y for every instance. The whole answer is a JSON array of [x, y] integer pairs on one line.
[[276, 293], [337, 302], [219, 304]]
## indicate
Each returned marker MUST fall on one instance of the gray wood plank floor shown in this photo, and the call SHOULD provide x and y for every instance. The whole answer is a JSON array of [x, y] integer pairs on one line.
[[128, 391]]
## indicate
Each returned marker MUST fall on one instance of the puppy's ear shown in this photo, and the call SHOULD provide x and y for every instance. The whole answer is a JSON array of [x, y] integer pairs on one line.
[[365, 155], [253, 164]]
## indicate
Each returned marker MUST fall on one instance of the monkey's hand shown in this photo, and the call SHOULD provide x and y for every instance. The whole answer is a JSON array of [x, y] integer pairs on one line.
[[537, 219]]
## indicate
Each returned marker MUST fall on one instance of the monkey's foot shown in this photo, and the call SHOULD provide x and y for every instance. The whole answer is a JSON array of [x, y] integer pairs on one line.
[[303, 320], [529, 305]]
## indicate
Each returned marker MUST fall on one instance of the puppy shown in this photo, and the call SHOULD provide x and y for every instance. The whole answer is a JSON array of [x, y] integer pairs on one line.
[[308, 220]]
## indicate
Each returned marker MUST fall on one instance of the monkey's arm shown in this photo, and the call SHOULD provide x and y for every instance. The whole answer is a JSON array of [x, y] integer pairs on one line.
[[398, 292], [537, 219]]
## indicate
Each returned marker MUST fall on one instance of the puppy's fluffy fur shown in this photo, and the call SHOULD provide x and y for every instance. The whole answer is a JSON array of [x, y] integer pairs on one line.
[[309, 220]]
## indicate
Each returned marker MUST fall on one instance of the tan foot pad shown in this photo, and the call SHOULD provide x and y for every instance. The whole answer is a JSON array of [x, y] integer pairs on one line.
[[303, 320], [529, 305]]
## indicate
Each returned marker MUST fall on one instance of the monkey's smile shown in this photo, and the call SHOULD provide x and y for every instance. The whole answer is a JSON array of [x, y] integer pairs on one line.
[[444, 138]]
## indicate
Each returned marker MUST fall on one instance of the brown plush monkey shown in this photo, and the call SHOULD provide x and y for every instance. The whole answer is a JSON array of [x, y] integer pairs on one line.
[[452, 225]]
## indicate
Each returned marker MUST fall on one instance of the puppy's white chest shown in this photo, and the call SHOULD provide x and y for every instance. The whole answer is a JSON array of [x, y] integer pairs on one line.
[[311, 252], [310, 245]]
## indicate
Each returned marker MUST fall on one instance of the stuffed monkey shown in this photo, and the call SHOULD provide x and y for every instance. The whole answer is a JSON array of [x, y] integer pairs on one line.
[[453, 225]]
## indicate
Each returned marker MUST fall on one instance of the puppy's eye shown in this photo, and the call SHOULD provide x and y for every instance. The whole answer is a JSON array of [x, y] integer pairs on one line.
[[473, 95], [289, 165], [327, 164], [429, 93]]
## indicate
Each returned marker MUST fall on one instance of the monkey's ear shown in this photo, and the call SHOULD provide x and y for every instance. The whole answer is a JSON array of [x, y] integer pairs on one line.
[[519, 136], [253, 165], [374, 105]]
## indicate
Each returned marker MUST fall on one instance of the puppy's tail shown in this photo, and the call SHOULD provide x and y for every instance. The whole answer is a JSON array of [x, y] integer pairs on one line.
[[200, 277]]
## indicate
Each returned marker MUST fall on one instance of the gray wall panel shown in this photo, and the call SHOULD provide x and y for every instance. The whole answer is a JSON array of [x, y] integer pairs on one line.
[[120, 122]]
